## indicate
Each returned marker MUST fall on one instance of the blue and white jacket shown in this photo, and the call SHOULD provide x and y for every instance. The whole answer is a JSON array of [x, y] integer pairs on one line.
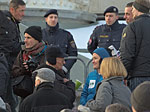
[[89, 89]]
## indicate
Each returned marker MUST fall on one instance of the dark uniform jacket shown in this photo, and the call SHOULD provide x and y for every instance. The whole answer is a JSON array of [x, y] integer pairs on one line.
[[135, 47], [105, 35], [44, 99], [14, 42], [62, 38], [68, 88]]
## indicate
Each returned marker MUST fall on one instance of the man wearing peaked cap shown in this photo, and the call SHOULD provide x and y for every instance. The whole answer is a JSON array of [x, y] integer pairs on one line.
[[107, 34], [134, 45], [45, 97], [44, 75], [53, 35]]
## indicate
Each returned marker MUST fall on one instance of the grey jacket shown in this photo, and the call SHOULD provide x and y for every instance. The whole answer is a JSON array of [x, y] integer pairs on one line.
[[111, 90]]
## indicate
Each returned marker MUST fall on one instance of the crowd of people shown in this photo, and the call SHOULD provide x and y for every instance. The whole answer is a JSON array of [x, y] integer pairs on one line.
[[36, 77]]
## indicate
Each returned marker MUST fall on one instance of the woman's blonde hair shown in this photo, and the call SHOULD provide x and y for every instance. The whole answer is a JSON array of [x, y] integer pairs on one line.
[[112, 66]]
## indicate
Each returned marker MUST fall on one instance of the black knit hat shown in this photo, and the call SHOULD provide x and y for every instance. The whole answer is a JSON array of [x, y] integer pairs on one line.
[[140, 97], [51, 11], [111, 9], [35, 32], [52, 52]]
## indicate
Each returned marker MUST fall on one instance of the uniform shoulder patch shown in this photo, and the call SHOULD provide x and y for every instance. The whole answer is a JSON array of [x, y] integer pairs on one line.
[[72, 43]]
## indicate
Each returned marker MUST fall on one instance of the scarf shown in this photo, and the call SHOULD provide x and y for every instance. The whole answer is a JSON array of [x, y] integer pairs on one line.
[[32, 52]]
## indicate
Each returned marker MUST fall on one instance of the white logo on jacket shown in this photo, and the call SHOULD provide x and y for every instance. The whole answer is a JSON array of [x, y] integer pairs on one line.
[[92, 83]]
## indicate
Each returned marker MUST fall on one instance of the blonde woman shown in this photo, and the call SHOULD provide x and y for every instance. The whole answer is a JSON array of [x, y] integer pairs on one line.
[[111, 89]]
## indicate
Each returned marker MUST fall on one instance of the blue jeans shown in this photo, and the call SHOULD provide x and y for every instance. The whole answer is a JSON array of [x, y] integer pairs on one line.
[[135, 81]]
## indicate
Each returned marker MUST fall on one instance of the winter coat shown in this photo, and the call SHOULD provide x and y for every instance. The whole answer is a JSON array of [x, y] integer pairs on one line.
[[68, 88], [135, 46], [15, 40], [5, 82], [89, 89], [111, 90], [18, 67], [106, 35], [44, 99]]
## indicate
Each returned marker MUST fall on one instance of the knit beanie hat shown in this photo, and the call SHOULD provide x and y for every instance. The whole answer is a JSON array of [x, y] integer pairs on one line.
[[111, 9], [142, 5], [140, 97], [51, 11], [35, 32], [102, 52]]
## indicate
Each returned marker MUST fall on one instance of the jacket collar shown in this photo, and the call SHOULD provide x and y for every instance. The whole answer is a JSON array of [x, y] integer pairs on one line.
[[52, 29], [119, 78], [114, 25], [44, 85], [143, 15], [8, 14]]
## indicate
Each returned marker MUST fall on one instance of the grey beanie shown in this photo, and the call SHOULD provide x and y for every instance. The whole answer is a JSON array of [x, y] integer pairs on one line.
[[46, 74], [140, 97]]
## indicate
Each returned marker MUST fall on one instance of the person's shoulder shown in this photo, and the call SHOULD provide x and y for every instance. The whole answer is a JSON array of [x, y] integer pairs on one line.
[[106, 83], [63, 30], [100, 27], [122, 25], [94, 72]]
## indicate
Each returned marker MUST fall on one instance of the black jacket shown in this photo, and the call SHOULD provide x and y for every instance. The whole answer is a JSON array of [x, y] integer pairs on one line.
[[68, 88], [62, 38], [44, 99], [106, 35], [14, 42], [135, 47], [5, 85]]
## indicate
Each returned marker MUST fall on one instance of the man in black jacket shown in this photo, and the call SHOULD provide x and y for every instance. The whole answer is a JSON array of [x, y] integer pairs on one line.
[[53, 35], [135, 45], [14, 15], [45, 98], [54, 61]]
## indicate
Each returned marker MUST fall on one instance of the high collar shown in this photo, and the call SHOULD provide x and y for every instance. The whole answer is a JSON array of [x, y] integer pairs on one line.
[[52, 28], [8, 14], [44, 85], [119, 78], [114, 25], [143, 15]]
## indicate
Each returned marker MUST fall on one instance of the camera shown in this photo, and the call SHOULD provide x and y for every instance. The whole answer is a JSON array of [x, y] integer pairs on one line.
[[114, 51], [32, 64]]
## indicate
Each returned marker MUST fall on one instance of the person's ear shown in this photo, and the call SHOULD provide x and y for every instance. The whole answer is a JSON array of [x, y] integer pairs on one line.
[[11, 9], [37, 82]]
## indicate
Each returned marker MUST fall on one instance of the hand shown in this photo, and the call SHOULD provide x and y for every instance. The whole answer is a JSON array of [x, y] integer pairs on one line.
[[65, 80], [26, 66]]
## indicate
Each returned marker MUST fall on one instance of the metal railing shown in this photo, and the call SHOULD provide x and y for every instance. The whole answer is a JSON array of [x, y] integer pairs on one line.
[[86, 66]]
